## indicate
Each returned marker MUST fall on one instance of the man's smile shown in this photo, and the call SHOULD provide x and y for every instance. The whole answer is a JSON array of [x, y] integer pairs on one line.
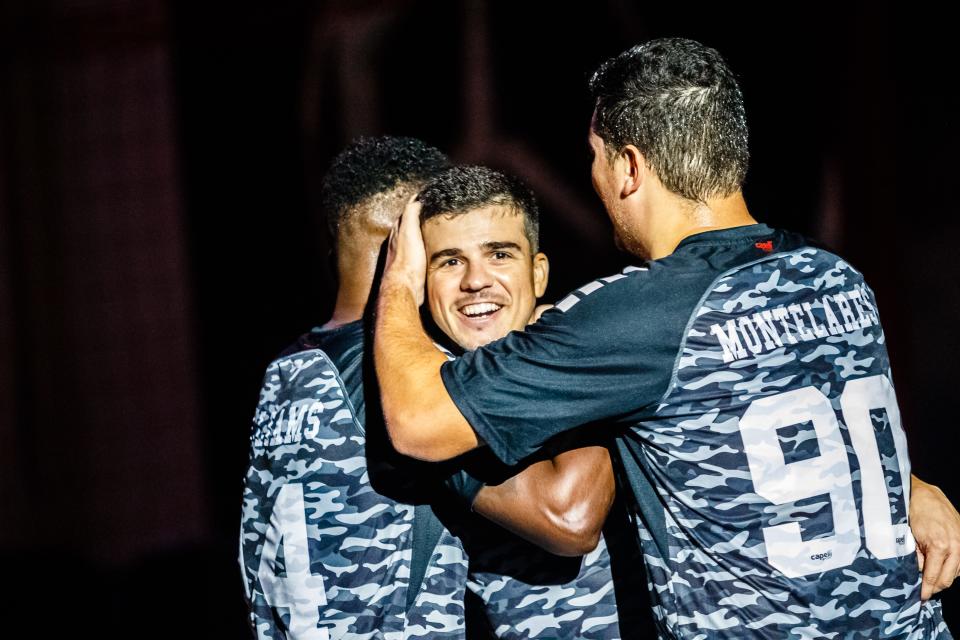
[[480, 309]]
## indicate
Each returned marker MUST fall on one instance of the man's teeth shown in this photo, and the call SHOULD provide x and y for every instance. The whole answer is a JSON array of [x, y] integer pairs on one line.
[[480, 309]]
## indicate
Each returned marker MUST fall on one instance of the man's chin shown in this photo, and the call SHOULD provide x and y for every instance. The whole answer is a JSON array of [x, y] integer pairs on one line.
[[474, 344], [472, 337], [475, 341]]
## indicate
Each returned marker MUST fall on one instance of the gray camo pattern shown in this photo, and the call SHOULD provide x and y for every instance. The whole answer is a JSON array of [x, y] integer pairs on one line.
[[360, 542], [521, 609], [716, 581], [541, 604]]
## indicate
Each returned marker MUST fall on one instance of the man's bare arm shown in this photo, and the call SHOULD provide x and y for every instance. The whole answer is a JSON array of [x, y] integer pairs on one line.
[[422, 420], [936, 526], [558, 504]]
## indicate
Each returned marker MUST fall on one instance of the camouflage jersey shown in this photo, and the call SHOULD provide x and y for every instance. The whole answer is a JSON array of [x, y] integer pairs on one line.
[[323, 555], [526, 596], [747, 381], [526, 591]]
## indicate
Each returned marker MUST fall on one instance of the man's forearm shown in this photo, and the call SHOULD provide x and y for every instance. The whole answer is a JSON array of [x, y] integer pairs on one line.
[[422, 420]]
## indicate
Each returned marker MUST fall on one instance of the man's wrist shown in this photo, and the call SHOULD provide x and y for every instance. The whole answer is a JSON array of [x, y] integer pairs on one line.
[[397, 286]]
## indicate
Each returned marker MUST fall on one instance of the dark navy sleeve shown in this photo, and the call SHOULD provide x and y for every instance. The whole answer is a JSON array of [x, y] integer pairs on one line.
[[605, 353]]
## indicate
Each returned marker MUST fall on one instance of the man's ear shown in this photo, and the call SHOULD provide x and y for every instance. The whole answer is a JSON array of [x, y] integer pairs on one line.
[[541, 274], [631, 167]]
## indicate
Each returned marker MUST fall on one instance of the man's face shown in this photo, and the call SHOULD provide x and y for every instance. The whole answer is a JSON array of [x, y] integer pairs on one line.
[[482, 281], [607, 184], [602, 174], [601, 170]]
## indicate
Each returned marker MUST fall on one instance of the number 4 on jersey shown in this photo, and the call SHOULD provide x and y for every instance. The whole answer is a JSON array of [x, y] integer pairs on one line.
[[828, 473], [299, 591]]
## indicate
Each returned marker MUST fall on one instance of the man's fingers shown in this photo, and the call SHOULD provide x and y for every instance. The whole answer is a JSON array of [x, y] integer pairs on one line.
[[406, 260], [936, 527], [412, 209], [948, 573], [392, 243], [410, 224], [932, 568], [936, 581]]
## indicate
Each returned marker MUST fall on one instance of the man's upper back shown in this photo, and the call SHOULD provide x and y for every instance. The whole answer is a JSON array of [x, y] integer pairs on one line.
[[780, 463], [323, 554]]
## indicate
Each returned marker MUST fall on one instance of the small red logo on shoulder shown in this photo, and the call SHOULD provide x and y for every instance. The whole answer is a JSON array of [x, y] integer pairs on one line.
[[766, 247]]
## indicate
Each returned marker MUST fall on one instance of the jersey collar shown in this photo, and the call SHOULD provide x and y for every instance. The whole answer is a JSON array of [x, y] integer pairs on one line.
[[724, 236]]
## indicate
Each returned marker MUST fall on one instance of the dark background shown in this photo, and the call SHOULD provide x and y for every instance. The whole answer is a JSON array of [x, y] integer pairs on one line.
[[159, 240]]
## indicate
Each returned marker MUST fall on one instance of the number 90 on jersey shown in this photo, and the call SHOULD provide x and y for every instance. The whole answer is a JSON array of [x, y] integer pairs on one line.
[[781, 481]]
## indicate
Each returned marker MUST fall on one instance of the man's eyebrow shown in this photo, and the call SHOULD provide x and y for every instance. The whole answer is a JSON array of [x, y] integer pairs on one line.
[[445, 253], [495, 246]]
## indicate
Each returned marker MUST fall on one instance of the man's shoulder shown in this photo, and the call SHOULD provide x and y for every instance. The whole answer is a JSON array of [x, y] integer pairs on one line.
[[319, 366], [638, 296], [342, 346], [301, 344], [606, 287], [656, 299]]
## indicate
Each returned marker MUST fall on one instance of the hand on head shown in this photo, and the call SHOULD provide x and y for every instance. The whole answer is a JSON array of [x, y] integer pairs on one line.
[[406, 263]]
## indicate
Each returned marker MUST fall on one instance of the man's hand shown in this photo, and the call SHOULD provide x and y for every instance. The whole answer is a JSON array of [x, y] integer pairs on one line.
[[422, 420], [936, 527], [406, 263]]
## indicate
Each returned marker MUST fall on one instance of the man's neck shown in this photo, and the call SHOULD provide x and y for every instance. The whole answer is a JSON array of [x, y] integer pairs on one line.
[[353, 288], [351, 303], [686, 219]]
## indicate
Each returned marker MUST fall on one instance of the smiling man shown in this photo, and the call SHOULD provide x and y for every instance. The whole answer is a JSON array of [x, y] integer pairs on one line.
[[484, 275], [485, 271]]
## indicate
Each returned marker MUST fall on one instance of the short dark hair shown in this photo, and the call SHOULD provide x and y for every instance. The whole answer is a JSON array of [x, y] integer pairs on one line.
[[460, 190], [678, 102], [369, 166]]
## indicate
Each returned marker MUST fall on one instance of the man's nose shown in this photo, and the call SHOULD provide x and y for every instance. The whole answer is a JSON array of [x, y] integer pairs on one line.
[[476, 278]]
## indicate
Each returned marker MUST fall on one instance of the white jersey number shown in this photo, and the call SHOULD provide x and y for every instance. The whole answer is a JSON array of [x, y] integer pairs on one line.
[[300, 591], [828, 473]]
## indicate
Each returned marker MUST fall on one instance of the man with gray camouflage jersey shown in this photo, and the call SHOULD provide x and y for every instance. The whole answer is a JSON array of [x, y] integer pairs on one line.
[[484, 276], [742, 371], [324, 553]]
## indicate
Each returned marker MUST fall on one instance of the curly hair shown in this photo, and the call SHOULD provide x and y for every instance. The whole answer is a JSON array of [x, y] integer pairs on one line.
[[460, 190], [372, 166]]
